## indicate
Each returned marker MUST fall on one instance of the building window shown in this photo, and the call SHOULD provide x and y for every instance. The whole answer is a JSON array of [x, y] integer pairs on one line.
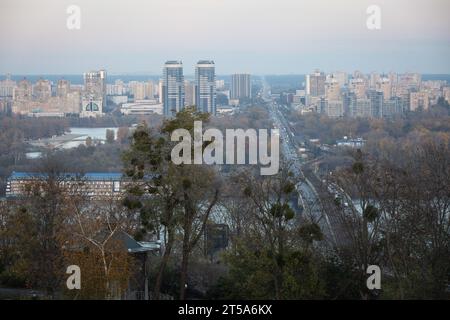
[[116, 186]]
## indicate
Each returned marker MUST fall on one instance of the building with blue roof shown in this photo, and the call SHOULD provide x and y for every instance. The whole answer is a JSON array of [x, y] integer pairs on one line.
[[91, 184]]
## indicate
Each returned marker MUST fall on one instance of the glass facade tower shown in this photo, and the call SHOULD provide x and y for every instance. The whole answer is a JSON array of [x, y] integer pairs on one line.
[[205, 81], [173, 87]]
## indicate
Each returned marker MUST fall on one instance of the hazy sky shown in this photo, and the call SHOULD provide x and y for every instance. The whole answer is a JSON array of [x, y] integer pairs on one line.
[[257, 36]]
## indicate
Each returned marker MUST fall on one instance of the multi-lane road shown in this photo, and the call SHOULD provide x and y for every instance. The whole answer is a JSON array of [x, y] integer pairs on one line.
[[308, 196]]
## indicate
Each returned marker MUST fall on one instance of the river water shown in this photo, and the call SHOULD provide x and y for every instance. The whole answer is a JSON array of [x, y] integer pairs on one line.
[[81, 134]]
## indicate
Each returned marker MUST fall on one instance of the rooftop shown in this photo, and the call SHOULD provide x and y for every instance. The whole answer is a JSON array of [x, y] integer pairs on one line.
[[92, 176], [173, 62], [205, 62]]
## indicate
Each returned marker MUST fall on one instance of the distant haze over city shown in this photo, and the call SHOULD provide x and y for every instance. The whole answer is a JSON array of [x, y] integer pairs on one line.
[[298, 79], [255, 36]]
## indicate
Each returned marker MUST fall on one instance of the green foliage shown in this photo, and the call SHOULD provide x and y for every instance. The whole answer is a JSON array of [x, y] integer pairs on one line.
[[279, 210], [247, 191], [318, 126], [289, 214], [110, 136], [371, 213], [186, 183], [131, 203], [89, 142], [288, 188], [276, 210], [174, 194], [170, 284], [310, 232], [184, 119], [136, 190], [251, 276], [341, 280], [358, 167], [9, 278], [337, 201]]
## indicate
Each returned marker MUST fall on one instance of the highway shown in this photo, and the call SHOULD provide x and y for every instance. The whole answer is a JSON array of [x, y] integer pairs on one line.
[[308, 196]]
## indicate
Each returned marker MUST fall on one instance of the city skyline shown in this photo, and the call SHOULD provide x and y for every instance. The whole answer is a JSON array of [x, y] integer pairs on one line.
[[285, 39], [254, 151], [337, 94], [140, 76]]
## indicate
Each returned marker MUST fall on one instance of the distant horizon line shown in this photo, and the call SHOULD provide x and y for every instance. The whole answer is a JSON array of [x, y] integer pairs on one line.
[[3, 74]]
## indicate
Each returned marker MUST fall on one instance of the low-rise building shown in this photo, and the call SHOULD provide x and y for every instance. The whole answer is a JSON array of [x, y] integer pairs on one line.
[[142, 107], [351, 143], [94, 185]]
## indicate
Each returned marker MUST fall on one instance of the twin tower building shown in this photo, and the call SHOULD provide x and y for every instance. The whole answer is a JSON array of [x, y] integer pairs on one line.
[[204, 88]]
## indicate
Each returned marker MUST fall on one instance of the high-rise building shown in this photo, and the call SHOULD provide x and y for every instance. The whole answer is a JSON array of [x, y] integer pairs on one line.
[[72, 102], [189, 93], [363, 108], [172, 87], [42, 90], [358, 87], [315, 84], [137, 89], [220, 84], [205, 82], [392, 107], [446, 94], [142, 90], [241, 86], [376, 102], [374, 79], [358, 75], [62, 88], [393, 78], [419, 100], [23, 91], [404, 94], [95, 86], [149, 89], [410, 80], [340, 76], [332, 89], [384, 85], [349, 101], [357, 108], [7, 87], [334, 108], [117, 89], [299, 97], [5, 105], [160, 90]]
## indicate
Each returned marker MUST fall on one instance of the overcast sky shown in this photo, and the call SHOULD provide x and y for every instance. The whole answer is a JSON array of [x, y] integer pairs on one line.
[[256, 36]]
